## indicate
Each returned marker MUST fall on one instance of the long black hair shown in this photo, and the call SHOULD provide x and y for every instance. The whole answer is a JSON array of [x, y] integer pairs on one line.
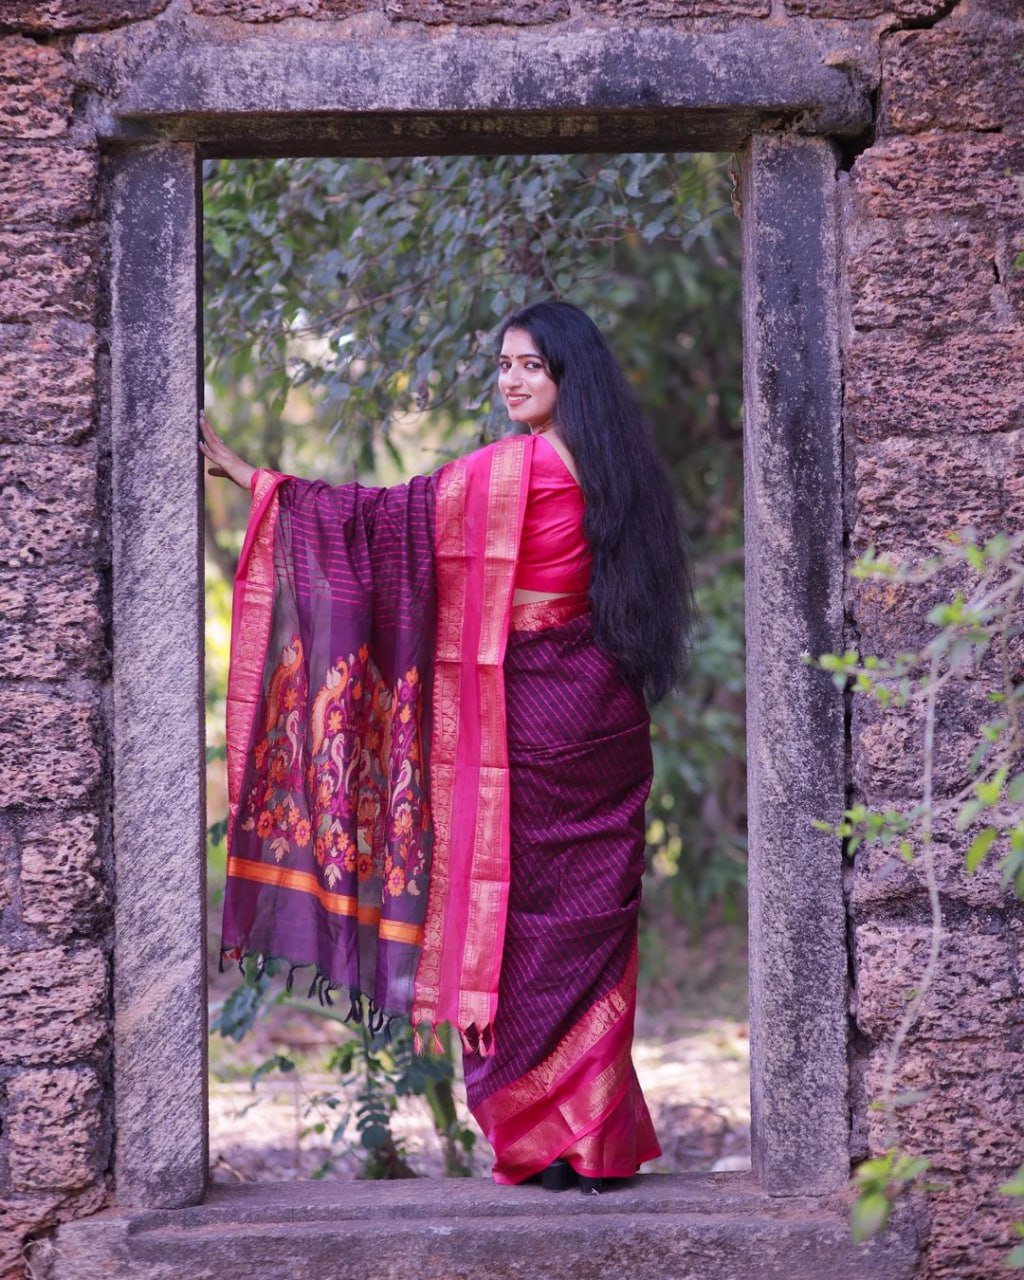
[[641, 589]]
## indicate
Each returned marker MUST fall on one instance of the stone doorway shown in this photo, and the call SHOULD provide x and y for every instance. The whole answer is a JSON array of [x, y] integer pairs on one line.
[[376, 95]]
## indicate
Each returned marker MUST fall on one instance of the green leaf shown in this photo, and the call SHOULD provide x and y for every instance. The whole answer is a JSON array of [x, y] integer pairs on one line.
[[988, 792], [1015, 1186], [967, 814], [979, 847], [870, 1213], [276, 1062], [909, 1098]]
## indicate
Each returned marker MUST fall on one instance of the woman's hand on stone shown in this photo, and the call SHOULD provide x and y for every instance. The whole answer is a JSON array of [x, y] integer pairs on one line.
[[224, 461]]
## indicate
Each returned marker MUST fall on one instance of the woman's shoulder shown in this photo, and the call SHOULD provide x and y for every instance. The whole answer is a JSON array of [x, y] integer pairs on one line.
[[507, 449]]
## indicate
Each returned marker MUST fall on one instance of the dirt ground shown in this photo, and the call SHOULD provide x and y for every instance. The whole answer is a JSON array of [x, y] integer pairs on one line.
[[691, 1053]]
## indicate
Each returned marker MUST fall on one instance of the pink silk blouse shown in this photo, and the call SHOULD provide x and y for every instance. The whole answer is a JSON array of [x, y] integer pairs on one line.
[[553, 554]]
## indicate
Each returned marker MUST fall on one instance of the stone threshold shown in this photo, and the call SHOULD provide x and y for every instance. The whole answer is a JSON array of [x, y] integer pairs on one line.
[[659, 1227]]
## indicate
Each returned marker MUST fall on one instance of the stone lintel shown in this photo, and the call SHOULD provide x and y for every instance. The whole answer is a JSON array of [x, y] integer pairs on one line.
[[585, 87], [159, 836], [796, 767]]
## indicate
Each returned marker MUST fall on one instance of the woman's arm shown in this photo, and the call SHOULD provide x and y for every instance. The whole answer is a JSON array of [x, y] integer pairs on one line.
[[225, 462]]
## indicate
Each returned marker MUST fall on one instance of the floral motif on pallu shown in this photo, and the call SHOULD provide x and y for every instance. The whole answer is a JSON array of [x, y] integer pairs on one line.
[[350, 789]]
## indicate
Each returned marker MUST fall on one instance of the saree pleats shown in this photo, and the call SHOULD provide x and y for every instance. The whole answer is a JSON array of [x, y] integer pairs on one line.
[[561, 1081]]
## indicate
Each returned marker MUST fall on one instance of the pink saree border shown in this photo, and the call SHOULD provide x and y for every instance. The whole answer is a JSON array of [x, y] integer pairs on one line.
[[251, 616], [481, 501], [577, 1092]]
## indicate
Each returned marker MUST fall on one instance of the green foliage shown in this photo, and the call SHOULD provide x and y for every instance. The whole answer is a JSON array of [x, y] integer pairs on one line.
[[379, 285], [972, 640], [974, 630], [879, 1184], [374, 1070], [1015, 1187]]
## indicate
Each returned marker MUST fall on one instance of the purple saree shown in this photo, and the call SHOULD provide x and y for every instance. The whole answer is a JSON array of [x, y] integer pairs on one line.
[[374, 636], [561, 1080]]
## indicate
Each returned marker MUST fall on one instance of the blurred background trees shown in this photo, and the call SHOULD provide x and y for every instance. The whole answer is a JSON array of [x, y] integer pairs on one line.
[[351, 310]]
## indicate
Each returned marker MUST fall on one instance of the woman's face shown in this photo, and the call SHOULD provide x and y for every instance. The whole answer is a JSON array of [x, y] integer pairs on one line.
[[523, 380]]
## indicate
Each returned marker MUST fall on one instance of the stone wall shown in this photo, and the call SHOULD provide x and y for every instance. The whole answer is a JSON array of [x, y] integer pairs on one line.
[[934, 370], [933, 350]]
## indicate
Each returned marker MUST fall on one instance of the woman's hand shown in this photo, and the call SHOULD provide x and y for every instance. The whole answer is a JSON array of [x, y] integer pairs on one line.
[[225, 462]]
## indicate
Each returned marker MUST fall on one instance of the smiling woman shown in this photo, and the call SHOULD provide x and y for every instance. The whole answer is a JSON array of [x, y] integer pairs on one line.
[[438, 760], [525, 382]]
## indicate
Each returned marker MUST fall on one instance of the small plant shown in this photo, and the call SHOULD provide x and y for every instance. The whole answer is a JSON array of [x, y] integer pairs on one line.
[[1015, 1187], [374, 1070], [972, 640]]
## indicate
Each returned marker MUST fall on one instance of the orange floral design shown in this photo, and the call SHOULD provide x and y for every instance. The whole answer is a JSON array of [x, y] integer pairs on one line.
[[348, 802], [403, 820]]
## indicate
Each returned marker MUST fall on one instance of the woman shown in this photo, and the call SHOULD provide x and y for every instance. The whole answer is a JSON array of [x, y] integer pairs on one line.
[[501, 623]]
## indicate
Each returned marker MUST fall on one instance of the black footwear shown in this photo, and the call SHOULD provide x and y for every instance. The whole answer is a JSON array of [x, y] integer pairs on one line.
[[590, 1186], [558, 1176]]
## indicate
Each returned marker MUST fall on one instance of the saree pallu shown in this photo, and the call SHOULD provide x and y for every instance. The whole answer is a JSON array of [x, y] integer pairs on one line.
[[329, 834], [368, 775], [561, 1081]]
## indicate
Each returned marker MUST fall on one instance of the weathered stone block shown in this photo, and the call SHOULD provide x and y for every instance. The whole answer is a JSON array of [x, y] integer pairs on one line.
[[891, 616], [971, 1229], [33, 1213], [881, 876], [47, 382], [277, 10], [47, 743], [257, 10], [474, 12], [931, 277], [53, 1005], [951, 78], [62, 886], [47, 273], [888, 746], [910, 492], [973, 384], [974, 992], [660, 1228], [48, 511], [56, 1133], [46, 183], [42, 16], [971, 1117], [931, 175], [36, 90], [912, 10], [655, 9], [53, 624]]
